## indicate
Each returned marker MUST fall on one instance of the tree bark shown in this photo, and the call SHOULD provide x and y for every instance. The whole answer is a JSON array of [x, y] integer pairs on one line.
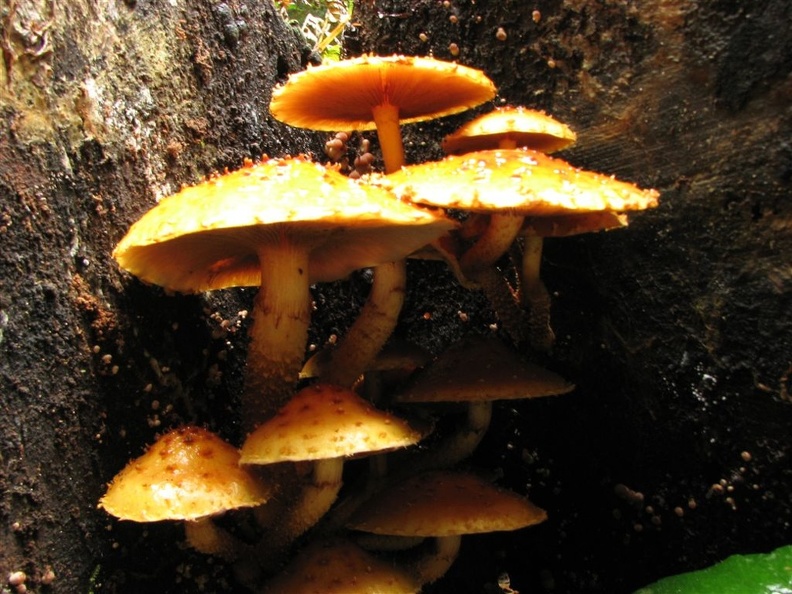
[[676, 330]]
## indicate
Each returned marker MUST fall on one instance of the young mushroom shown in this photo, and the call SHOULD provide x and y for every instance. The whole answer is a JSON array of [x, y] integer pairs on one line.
[[322, 425], [508, 128], [444, 506], [475, 372], [281, 224], [188, 474]]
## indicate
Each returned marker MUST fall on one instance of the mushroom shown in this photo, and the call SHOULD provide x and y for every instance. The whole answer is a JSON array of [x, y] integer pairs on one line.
[[379, 92], [361, 94], [321, 424], [513, 184], [188, 474], [280, 224], [508, 128], [444, 505], [477, 372], [340, 567]]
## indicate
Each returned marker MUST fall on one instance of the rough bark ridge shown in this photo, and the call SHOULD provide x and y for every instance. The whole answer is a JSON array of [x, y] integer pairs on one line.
[[106, 106], [676, 330]]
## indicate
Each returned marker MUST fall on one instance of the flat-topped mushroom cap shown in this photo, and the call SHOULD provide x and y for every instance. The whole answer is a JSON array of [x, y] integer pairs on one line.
[[444, 503], [326, 421], [206, 236], [481, 370], [186, 474], [520, 126], [341, 95], [575, 224], [340, 567], [518, 181]]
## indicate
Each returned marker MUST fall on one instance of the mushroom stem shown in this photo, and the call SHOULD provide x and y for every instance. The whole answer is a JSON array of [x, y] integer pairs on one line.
[[281, 315], [386, 118], [433, 565], [372, 328], [455, 447], [493, 243], [534, 295], [206, 537], [310, 504]]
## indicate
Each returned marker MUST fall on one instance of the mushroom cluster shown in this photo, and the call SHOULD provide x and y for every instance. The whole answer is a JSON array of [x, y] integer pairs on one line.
[[283, 224]]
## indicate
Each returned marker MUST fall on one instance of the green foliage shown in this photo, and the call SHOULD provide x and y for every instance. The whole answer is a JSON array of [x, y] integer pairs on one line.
[[322, 23], [739, 574]]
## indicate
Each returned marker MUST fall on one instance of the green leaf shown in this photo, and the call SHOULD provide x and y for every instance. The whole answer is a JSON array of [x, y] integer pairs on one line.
[[769, 573]]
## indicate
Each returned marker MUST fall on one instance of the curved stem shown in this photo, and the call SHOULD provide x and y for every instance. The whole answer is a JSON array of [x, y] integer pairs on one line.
[[371, 329], [492, 244], [452, 449], [281, 315], [386, 118], [310, 503]]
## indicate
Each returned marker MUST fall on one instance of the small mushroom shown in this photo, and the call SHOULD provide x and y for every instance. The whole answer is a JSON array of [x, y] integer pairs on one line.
[[322, 424], [476, 372], [443, 505], [509, 128], [281, 224], [188, 474]]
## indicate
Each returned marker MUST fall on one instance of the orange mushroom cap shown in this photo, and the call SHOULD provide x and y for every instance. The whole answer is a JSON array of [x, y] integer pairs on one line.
[[325, 421], [206, 236], [518, 181], [444, 503], [342, 95], [186, 474], [520, 126], [482, 370]]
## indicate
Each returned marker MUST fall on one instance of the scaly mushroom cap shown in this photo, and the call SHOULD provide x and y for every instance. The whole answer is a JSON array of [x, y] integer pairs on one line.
[[340, 567], [482, 370], [444, 503], [326, 421], [520, 126], [341, 95], [186, 474], [206, 236], [518, 181]]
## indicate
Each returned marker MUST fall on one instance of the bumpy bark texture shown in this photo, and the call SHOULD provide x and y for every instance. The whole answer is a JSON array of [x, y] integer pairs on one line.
[[673, 452]]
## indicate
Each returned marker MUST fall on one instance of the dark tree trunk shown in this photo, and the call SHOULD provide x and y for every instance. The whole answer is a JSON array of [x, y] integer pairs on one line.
[[676, 330]]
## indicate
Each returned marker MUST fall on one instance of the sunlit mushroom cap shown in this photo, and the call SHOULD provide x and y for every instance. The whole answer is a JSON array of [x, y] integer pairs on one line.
[[480, 370], [444, 503], [340, 567], [524, 127], [205, 237], [519, 181], [186, 474], [326, 421], [341, 95]]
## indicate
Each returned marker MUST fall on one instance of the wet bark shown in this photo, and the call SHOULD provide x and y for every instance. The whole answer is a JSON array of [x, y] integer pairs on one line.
[[676, 330]]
